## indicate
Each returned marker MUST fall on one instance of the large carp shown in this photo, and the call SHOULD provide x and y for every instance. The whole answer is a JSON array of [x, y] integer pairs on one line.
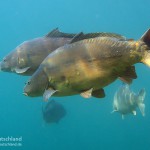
[[27, 57], [87, 66]]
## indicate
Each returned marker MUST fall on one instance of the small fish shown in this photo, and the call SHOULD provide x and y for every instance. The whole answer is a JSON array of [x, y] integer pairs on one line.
[[126, 101], [53, 112], [90, 63]]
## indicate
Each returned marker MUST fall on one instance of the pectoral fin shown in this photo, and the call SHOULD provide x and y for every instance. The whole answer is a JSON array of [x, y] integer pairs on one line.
[[114, 111], [98, 93], [87, 94], [20, 71], [48, 93]]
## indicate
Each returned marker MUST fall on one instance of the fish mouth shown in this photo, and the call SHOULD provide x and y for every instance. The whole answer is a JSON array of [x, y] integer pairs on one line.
[[24, 93], [4, 66]]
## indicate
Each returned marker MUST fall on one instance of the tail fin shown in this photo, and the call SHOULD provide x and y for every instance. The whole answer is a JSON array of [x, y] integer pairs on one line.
[[142, 108], [140, 101], [146, 58], [146, 38]]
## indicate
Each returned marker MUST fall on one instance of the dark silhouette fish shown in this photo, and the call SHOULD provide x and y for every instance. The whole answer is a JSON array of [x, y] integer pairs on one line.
[[87, 66], [53, 112]]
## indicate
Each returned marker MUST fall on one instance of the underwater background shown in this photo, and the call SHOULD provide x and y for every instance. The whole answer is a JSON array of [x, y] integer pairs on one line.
[[89, 123]]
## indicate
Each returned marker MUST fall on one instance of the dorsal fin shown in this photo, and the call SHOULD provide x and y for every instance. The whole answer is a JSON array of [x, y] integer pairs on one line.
[[106, 34], [82, 36], [56, 33], [77, 37], [146, 37], [52, 33]]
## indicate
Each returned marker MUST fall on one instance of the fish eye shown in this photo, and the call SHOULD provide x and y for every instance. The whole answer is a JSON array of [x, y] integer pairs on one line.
[[4, 59], [28, 83]]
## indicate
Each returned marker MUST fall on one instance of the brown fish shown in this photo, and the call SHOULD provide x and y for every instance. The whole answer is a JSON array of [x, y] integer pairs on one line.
[[27, 57], [87, 66]]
